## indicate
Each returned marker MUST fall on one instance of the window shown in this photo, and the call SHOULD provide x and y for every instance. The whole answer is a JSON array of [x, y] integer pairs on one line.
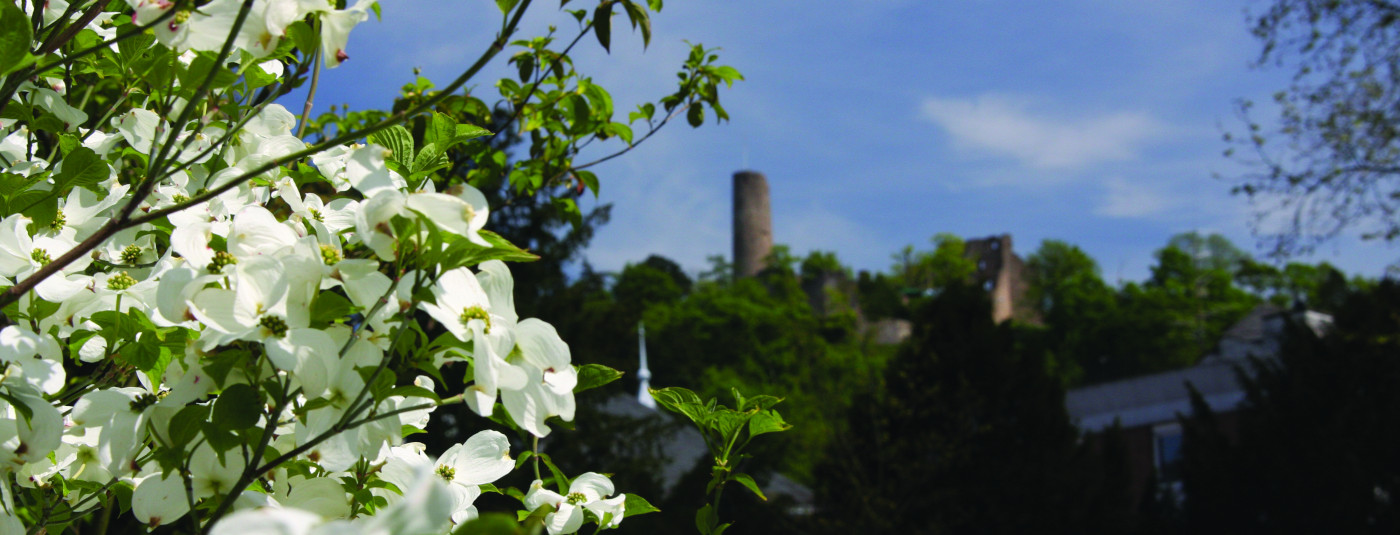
[[1166, 457], [1166, 451]]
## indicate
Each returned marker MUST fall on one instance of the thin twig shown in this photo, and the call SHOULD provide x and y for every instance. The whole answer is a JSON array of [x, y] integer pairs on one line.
[[311, 91]]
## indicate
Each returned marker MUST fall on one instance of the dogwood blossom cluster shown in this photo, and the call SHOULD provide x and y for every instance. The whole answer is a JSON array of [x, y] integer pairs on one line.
[[234, 360]]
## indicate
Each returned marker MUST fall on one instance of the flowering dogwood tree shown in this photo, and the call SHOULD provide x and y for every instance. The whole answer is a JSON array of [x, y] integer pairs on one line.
[[223, 317]]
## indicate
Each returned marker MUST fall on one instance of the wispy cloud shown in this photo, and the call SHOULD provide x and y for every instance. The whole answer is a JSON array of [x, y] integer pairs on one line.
[[1006, 126], [1133, 199]]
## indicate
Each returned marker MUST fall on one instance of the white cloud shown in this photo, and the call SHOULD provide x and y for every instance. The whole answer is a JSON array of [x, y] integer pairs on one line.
[[1133, 199], [1004, 126]]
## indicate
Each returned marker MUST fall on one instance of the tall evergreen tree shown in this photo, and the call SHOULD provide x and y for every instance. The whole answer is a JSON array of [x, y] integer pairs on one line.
[[1315, 447], [968, 435]]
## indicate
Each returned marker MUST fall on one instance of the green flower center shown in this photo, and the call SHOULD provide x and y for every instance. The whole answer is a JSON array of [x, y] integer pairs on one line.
[[329, 255], [316, 214], [41, 256], [131, 254], [181, 16], [221, 259], [274, 325], [144, 400], [476, 313], [120, 281], [577, 498], [180, 198], [58, 220], [446, 472]]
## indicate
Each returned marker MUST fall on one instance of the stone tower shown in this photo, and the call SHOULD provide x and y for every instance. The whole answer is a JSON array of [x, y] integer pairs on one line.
[[1002, 273], [753, 223]]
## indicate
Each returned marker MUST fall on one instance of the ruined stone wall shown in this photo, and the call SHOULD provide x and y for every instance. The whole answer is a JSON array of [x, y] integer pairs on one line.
[[1002, 274]]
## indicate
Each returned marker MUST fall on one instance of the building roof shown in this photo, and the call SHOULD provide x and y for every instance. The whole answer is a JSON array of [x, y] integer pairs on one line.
[[1158, 398]]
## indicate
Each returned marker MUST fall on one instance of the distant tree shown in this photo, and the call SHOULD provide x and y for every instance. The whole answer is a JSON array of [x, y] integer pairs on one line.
[[1331, 159], [1075, 305], [671, 269], [1210, 252], [642, 285], [819, 262], [1170, 321], [966, 435], [720, 271], [879, 296], [1315, 446], [946, 264]]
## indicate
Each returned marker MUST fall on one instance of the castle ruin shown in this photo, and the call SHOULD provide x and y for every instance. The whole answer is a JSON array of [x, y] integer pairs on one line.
[[753, 224]]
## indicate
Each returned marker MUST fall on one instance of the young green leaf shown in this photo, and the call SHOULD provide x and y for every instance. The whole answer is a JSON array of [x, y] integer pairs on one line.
[[749, 483], [602, 24], [238, 407], [634, 505], [399, 142], [592, 376], [81, 168], [15, 35]]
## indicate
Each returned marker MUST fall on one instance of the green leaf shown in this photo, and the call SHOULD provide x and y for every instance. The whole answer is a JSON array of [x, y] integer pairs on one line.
[[639, 17], [767, 422], [398, 140], [15, 37], [134, 46], [42, 212], [560, 481], [729, 424], [602, 24], [491, 523], [219, 364], [619, 130], [441, 130], [430, 159], [683, 401], [705, 519], [237, 407], [220, 439], [67, 143], [695, 115], [465, 253], [81, 168], [748, 482], [589, 180], [760, 402], [144, 353], [728, 74], [635, 505], [256, 76], [414, 391], [598, 98], [23, 409], [592, 376], [116, 326], [185, 425], [304, 37], [581, 116], [329, 307], [18, 111], [468, 131], [200, 68], [506, 5]]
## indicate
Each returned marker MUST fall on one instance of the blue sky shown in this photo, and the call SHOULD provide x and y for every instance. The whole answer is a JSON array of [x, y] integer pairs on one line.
[[880, 123]]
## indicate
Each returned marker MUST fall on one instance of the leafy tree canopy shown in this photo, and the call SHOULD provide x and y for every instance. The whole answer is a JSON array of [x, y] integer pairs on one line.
[[1330, 160]]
